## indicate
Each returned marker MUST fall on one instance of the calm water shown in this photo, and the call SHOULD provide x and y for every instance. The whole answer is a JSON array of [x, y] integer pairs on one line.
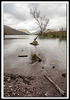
[[51, 51]]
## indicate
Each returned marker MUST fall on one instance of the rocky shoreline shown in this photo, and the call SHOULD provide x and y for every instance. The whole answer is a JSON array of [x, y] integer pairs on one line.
[[30, 86]]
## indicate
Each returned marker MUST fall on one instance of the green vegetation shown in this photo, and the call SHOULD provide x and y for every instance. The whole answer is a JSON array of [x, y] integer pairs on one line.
[[56, 34], [34, 42], [35, 58]]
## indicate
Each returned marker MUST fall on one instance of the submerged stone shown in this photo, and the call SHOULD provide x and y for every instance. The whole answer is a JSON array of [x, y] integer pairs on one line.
[[35, 58], [42, 67], [53, 66], [64, 74]]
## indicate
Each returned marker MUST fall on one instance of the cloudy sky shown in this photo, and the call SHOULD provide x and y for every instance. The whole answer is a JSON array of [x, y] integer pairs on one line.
[[17, 15]]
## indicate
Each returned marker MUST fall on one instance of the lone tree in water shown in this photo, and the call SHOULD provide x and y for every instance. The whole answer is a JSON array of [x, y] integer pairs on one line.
[[42, 21]]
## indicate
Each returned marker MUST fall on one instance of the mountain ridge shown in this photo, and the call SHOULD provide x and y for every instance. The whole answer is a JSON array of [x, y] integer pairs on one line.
[[11, 31]]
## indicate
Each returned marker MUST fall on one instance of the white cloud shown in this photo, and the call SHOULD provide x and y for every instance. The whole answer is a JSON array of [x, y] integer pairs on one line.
[[10, 19], [57, 23], [52, 10], [28, 25], [17, 15], [19, 11]]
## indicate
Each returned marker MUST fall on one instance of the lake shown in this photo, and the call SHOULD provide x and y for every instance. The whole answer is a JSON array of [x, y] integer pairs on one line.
[[51, 51]]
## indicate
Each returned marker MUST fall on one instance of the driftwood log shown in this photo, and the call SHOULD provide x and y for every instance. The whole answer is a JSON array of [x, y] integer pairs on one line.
[[58, 88], [22, 55]]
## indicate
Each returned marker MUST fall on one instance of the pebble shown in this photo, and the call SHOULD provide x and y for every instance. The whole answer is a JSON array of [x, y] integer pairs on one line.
[[43, 82], [8, 95], [9, 79], [11, 89], [17, 87], [39, 93], [29, 95], [13, 93], [53, 66], [24, 90], [10, 86], [14, 90], [42, 67], [27, 92], [46, 94]]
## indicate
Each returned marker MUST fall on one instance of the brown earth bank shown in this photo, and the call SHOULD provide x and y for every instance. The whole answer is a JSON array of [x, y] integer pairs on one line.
[[16, 85]]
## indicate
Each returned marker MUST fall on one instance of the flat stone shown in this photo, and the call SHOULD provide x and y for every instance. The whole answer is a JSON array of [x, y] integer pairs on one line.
[[29, 95], [10, 86], [46, 94]]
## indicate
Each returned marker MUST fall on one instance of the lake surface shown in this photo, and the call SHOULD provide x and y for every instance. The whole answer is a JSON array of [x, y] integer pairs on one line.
[[51, 51]]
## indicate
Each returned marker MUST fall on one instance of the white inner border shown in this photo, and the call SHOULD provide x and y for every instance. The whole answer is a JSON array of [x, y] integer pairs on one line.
[[2, 50]]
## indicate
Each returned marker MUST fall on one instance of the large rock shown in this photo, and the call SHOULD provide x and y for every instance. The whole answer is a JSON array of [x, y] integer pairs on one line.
[[34, 43]]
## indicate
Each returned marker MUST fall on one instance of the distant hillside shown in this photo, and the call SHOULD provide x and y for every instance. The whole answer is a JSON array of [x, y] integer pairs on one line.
[[10, 31], [37, 32], [23, 30], [49, 30]]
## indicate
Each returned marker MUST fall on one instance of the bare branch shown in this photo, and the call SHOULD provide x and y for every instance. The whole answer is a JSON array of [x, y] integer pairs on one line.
[[41, 21]]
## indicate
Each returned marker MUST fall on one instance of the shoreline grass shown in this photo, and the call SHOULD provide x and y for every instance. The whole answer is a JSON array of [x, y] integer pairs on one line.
[[56, 34]]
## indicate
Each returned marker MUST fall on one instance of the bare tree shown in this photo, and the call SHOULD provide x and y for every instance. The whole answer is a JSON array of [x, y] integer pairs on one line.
[[42, 21], [61, 29]]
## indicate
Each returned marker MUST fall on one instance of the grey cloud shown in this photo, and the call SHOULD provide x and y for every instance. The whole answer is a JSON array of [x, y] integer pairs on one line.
[[10, 19], [33, 5], [15, 14], [50, 9], [19, 12], [53, 10], [9, 7]]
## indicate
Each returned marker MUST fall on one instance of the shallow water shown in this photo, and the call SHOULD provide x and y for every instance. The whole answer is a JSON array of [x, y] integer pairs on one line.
[[51, 51]]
